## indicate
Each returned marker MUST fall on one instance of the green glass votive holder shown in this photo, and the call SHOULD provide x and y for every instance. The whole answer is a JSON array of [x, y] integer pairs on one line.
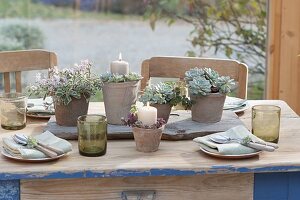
[[266, 122], [92, 135], [13, 111]]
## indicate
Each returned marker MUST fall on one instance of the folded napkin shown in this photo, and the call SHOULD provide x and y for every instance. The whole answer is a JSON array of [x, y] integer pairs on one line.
[[238, 132], [47, 138], [38, 106], [233, 102]]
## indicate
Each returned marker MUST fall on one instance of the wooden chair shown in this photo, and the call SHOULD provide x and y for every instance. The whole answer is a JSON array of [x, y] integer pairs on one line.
[[27, 60], [175, 67]]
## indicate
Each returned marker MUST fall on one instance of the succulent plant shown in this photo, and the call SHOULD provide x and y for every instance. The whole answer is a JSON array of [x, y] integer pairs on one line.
[[116, 78], [202, 81], [162, 93]]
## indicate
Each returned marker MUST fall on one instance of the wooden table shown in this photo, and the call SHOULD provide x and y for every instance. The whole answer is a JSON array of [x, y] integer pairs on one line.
[[177, 171]]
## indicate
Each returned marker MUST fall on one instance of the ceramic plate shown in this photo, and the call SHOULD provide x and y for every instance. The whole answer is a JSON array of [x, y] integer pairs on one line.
[[7, 155], [242, 108], [242, 156], [39, 115]]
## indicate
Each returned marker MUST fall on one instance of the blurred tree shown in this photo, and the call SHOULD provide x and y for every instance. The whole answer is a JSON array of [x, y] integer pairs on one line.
[[236, 28]]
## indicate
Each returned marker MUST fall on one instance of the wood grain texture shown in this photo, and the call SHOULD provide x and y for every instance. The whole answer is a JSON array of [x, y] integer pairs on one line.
[[179, 127], [273, 49], [25, 60], [6, 82], [284, 46], [18, 82], [175, 67], [216, 187], [174, 158]]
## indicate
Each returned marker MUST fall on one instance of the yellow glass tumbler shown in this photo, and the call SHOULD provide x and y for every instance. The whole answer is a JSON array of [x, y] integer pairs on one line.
[[266, 122]]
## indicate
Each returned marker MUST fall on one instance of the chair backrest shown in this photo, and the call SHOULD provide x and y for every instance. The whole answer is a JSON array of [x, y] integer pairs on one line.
[[175, 67], [27, 60]]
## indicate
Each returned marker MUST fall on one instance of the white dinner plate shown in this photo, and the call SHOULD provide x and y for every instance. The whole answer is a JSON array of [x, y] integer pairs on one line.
[[37, 160], [240, 156]]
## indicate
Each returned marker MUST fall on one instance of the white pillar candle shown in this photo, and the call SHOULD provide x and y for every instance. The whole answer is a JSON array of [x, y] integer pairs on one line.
[[120, 66], [147, 115]]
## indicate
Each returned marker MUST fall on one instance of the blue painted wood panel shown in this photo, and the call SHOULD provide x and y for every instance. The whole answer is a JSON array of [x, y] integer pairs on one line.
[[277, 186], [10, 190]]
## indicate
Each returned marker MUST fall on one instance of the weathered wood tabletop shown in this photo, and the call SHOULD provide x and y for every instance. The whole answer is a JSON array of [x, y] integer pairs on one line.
[[184, 156], [174, 158]]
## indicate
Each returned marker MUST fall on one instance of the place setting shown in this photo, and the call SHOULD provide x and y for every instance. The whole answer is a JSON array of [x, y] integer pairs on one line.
[[42, 108]]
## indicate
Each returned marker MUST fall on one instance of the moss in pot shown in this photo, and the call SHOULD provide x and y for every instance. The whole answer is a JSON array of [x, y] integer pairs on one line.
[[162, 96], [207, 92], [70, 88]]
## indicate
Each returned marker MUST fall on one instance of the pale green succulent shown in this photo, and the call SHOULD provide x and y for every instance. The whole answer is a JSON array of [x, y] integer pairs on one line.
[[116, 78], [202, 81], [162, 93]]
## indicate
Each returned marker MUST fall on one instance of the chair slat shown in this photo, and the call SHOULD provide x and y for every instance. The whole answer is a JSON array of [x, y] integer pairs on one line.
[[6, 82], [18, 82]]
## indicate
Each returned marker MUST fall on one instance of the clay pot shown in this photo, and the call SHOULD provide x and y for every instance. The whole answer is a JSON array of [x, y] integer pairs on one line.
[[66, 115], [118, 98], [208, 109], [163, 111], [147, 140]]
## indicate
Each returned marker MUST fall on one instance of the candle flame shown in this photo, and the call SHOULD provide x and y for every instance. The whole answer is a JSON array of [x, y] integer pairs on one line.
[[148, 104], [120, 56]]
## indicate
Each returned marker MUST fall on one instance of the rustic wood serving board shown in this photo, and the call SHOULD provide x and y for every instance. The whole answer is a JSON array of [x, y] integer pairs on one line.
[[179, 127]]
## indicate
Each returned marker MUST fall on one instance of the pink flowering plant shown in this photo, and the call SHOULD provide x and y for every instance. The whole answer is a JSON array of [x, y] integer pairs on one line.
[[63, 85]]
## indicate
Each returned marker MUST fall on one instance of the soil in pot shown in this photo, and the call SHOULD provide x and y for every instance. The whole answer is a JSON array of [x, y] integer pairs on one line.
[[163, 111], [66, 115], [147, 140], [118, 98], [208, 109]]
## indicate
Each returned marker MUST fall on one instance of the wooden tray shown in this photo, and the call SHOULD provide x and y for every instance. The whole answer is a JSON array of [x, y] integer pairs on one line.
[[179, 127]]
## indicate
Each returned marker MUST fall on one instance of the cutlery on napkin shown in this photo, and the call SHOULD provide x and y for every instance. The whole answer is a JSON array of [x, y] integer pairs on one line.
[[222, 139], [40, 106], [25, 152], [231, 148], [34, 143]]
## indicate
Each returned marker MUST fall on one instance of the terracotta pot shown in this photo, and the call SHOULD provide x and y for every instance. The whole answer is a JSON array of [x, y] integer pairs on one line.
[[208, 109], [163, 111], [147, 140], [67, 115], [118, 98]]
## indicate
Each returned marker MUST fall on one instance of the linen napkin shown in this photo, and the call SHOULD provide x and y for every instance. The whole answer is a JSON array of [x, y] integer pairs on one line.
[[238, 132], [14, 149], [39, 107], [233, 102]]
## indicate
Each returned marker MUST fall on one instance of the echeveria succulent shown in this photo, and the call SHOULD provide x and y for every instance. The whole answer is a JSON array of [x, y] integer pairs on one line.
[[116, 78], [202, 81], [162, 93]]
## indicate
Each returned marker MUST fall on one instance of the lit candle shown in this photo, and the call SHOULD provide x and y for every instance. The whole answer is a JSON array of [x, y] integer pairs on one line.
[[119, 66], [147, 115]]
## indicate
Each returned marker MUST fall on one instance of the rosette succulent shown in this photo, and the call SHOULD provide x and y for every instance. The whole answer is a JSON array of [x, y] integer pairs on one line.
[[202, 81], [162, 93], [117, 78]]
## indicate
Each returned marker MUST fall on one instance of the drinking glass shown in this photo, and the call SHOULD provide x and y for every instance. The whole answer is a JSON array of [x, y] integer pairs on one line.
[[92, 135], [13, 111], [266, 122]]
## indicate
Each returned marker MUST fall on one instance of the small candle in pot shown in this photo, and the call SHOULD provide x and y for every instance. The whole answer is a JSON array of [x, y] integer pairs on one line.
[[120, 66], [147, 115]]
